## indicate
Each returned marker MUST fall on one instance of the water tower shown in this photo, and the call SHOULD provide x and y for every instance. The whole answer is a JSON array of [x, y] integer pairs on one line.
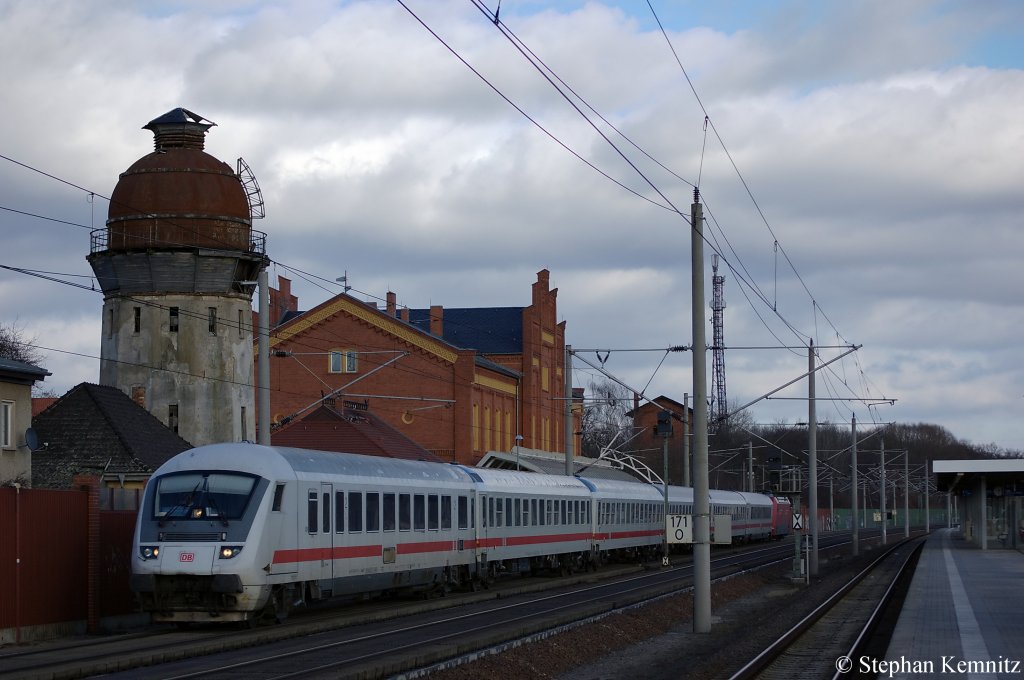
[[176, 262]]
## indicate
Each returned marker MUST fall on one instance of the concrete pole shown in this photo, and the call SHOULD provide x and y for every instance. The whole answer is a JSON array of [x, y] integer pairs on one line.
[[831, 505], [906, 494], [569, 430], [750, 467], [812, 461], [885, 524], [855, 509], [701, 498], [664, 459], [263, 361], [686, 439], [927, 508]]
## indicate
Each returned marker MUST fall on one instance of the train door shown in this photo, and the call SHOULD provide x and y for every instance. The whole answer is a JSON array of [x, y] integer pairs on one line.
[[328, 531]]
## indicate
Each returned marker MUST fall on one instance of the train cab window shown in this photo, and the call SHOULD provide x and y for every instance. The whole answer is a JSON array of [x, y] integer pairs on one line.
[[419, 512], [389, 512], [433, 515], [327, 513], [463, 512], [372, 511], [339, 511], [404, 512], [355, 511], [313, 512], [446, 512], [278, 497]]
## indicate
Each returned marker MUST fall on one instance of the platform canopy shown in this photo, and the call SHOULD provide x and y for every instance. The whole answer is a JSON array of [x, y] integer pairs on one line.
[[1001, 475]]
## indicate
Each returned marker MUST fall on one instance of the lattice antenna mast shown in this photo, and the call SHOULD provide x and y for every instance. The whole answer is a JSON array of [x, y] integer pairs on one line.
[[719, 408]]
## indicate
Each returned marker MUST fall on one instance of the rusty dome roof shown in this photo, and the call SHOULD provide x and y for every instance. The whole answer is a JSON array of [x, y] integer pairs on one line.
[[179, 195]]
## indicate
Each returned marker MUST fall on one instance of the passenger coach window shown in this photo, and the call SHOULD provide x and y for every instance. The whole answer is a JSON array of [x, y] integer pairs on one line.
[[355, 511], [498, 516], [339, 511], [312, 514], [327, 513], [404, 512], [278, 497], [419, 512], [433, 520], [463, 512], [508, 512], [389, 512], [533, 511], [446, 512], [373, 512]]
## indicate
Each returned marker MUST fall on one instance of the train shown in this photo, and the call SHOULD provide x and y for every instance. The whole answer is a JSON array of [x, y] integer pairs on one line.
[[241, 532]]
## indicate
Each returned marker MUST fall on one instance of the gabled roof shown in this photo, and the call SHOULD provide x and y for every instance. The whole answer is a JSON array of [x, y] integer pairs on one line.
[[488, 330], [658, 404], [349, 430], [96, 429]]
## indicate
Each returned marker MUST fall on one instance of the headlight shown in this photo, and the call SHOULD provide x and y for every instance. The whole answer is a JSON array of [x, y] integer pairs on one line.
[[149, 552], [229, 551]]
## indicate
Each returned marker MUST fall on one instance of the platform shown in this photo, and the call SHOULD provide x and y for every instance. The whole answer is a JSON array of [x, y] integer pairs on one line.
[[963, 615]]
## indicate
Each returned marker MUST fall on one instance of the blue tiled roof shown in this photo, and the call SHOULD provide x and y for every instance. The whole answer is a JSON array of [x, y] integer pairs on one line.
[[488, 330]]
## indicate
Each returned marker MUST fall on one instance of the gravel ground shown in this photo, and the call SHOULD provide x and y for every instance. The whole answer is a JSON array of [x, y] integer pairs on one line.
[[656, 642]]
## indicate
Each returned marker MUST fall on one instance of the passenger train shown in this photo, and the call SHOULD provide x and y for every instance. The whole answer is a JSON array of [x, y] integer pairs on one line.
[[234, 532]]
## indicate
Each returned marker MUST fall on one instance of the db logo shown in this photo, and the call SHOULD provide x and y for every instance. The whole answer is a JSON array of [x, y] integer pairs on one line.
[[187, 557]]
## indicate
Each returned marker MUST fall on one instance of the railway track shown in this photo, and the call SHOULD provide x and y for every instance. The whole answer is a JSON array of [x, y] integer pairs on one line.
[[827, 642], [477, 620]]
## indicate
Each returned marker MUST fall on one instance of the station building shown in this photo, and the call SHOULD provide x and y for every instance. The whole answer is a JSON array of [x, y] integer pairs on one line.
[[988, 497], [460, 382]]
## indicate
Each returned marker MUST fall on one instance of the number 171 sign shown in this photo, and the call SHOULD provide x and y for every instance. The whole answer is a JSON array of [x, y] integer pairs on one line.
[[679, 528]]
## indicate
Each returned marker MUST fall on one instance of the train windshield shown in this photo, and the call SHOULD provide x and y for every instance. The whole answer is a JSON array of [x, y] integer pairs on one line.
[[219, 496]]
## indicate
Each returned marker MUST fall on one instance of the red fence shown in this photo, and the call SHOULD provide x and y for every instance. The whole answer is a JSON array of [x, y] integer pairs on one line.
[[61, 558]]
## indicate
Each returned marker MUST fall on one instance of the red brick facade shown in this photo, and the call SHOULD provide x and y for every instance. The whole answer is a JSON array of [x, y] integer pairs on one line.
[[458, 403]]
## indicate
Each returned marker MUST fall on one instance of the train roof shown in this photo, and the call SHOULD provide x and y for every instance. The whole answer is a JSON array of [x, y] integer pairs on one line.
[[528, 482], [637, 490], [277, 462], [755, 498]]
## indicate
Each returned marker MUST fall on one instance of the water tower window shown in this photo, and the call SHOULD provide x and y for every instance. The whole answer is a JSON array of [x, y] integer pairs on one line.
[[172, 415], [173, 320], [212, 320], [138, 319]]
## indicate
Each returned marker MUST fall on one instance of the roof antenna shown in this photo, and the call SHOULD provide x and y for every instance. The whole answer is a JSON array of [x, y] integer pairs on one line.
[[497, 12]]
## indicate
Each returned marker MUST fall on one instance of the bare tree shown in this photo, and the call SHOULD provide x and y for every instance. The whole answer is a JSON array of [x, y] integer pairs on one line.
[[604, 415], [14, 344]]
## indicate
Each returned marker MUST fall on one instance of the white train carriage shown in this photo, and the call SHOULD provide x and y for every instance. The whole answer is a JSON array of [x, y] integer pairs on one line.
[[757, 521], [628, 516], [227, 531], [528, 521], [733, 504]]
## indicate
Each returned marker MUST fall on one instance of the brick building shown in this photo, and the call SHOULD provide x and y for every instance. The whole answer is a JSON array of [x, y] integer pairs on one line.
[[647, 446], [459, 382]]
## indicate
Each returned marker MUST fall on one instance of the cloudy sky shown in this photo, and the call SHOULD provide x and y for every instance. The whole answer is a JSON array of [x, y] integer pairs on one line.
[[862, 173]]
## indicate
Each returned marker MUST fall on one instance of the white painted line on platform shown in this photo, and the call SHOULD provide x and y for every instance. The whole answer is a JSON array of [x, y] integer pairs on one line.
[[972, 641]]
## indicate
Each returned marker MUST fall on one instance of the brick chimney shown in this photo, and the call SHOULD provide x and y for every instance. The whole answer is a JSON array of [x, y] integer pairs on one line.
[[437, 320], [391, 304]]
